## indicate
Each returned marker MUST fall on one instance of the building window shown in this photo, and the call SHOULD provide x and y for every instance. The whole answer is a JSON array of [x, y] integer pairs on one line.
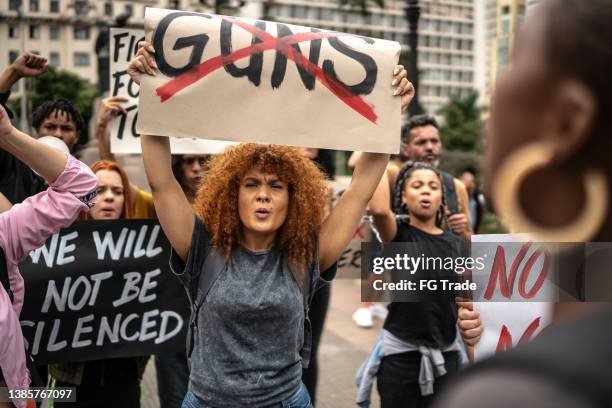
[[13, 31], [54, 32], [13, 56], [54, 6], [14, 5], [34, 31], [81, 59], [81, 8], [54, 59], [129, 9], [108, 9], [81, 33], [34, 6]]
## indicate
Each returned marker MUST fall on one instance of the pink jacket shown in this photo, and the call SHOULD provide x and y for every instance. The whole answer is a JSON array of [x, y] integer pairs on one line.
[[25, 227]]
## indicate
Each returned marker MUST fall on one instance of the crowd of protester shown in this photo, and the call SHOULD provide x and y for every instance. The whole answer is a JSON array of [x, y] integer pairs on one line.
[[255, 241]]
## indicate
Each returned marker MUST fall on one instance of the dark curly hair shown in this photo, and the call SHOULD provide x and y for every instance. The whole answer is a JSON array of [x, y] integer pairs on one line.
[[217, 200], [400, 208], [44, 110], [417, 122]]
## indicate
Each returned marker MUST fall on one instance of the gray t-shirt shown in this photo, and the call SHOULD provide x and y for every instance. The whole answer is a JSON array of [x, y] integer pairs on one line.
[[250, 327]]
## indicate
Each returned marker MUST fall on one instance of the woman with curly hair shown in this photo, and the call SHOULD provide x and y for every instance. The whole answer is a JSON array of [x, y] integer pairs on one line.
[[262, 208]]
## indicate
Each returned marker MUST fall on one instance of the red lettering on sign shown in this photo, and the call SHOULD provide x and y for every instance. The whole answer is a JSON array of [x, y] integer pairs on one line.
[[283, 45], [505, 338], [506, 282]]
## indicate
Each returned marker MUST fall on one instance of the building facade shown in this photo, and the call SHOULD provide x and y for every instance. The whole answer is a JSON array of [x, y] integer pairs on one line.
[[65, 31], [509, 16], [446, 37]]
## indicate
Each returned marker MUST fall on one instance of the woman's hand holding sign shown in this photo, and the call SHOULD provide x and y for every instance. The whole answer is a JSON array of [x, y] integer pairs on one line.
[[143, 62]]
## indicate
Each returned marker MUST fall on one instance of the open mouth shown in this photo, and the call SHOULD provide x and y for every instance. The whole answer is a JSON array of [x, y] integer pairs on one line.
[[262, 213], [425, 203]]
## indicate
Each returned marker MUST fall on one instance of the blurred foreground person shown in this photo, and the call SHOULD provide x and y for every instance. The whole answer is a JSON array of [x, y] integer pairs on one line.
[[26, 226], [549, 171]]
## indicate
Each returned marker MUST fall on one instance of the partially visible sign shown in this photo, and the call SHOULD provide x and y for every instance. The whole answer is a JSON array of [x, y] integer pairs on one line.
[[516, 275], [124, 137], [102, 289]]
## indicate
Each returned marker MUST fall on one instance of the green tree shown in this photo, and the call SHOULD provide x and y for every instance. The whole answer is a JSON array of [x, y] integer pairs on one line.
[[55, 84], [461, 129]]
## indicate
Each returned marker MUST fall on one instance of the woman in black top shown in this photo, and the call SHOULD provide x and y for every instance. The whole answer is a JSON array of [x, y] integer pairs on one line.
[[416, 325]]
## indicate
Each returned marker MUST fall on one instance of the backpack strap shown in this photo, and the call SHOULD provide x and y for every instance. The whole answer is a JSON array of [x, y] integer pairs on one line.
[[307, 292], [4, 278], [206, 278], [450, 193]]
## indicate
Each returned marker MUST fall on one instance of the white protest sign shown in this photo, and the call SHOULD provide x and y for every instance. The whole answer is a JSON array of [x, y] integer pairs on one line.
[[226, 78], [124, 137], [520, 272]]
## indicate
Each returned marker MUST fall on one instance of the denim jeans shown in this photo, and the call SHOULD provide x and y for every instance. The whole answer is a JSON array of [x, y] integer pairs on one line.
[[300, 399]]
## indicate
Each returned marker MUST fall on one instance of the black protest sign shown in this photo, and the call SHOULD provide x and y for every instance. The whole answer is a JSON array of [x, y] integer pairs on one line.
[[102, 289]]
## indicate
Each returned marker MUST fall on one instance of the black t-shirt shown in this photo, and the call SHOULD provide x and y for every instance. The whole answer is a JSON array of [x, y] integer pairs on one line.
[[18, 181], [431, 323]]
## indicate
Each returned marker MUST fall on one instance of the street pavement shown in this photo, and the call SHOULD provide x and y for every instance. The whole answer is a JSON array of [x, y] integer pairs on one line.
[[343, 348]]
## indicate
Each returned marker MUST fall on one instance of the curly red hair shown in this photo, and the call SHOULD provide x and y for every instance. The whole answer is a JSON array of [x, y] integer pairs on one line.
[[217, 199]]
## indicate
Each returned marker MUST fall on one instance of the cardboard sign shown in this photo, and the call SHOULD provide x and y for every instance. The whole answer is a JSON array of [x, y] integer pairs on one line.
[[226, 78], [349, 263], [516, 271], [102, 289], [124, 137]]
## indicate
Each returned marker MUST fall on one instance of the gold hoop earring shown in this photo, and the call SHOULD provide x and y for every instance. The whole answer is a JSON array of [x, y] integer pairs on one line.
[[510, 176]]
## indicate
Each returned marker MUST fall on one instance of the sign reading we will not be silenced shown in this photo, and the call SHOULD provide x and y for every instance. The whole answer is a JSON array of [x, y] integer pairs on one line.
[[102, 289], [123, 135], [227, 78]]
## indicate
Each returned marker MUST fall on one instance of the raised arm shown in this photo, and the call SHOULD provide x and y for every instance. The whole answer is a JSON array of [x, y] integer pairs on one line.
[[109, 109], [173, 210], [460, 222], [380, 208], [26, 65], [44, 160], [339, 227]]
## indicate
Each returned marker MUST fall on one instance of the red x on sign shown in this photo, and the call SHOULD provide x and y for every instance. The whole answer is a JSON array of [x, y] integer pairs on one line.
[[282, 45]]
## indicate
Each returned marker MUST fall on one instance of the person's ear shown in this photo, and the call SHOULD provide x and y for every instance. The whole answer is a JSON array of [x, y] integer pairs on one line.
[[573, 111]]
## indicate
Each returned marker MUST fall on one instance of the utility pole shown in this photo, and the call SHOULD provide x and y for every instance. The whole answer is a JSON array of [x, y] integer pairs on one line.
[[23, 118], [413, 12]]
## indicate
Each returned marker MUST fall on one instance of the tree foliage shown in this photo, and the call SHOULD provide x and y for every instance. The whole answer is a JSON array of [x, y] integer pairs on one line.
[[55, 84], [461, 128]]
